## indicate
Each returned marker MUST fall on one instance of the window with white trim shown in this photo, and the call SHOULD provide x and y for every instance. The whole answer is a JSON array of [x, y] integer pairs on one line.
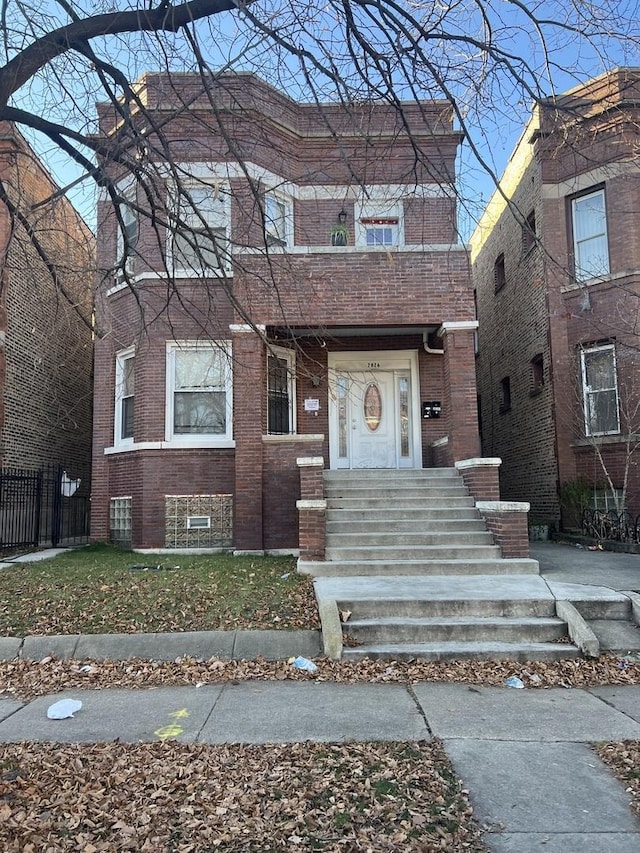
[[280, 391], [200, 232], [125, 397], [379, 224], [127, 236], [600, 390], [590, 244], [278, 219], [199, 391]]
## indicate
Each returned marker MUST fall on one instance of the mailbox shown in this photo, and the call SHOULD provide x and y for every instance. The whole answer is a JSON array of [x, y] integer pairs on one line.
[[431, 408]]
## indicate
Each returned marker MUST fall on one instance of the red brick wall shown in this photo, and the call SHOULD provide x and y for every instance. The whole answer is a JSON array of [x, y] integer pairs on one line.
[[46, 354], [303, 290]]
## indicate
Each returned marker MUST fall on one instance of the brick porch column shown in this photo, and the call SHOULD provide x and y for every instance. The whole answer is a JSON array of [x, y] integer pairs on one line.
[[249, 393], [507, 520], [312, 508], [481, 477], [460, 403]]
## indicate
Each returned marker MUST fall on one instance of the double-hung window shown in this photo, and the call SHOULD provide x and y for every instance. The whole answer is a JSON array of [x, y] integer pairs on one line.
[[590, 245], [280, 391], [127, 237], [277, 219], [199, 391], [600, 390], [200, 231], [125, 397]]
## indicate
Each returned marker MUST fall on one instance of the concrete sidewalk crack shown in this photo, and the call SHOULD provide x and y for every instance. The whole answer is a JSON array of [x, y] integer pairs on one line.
[[412, 693]]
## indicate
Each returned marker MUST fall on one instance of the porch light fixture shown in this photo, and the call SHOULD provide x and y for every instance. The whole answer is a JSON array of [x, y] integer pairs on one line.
[[342, 216]]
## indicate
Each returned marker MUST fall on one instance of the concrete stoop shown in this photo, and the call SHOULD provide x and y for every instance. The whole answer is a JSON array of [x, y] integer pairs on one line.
[[412, 572]]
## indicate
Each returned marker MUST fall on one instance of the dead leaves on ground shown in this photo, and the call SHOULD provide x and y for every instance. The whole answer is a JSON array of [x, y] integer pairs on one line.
[[26, 679], [623, 759], [188, 798]]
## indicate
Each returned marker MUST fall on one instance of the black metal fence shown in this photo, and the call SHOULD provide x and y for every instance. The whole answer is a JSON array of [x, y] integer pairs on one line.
[[42, 507], [611, 525]]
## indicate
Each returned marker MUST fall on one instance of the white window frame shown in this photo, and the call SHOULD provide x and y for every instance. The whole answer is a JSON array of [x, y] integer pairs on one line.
[[275, 236], [121, 358], [588, 393], [584, 273], [290, 357], [379, 214], [129, 216], [223, 348], [221, 190]]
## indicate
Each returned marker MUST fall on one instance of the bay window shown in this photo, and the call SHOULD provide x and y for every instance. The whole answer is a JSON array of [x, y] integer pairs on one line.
[[200, 232], [199, 391]]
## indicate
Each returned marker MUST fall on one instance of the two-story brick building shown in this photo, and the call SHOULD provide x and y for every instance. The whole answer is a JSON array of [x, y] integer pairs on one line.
[[316, 303], [556, 267]]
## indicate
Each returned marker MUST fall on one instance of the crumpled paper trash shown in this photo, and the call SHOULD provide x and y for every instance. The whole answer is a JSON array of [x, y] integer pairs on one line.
[[63, 709]]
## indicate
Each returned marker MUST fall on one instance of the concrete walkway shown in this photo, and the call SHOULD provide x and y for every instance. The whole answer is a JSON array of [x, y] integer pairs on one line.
[[522, 754]]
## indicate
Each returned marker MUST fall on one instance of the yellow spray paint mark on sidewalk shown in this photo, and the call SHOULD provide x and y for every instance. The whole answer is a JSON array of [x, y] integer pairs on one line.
[[180, 715], [168, 731], [172, 730]]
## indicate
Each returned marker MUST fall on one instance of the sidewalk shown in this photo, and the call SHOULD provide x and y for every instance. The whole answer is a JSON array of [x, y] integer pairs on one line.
[[522, 754]]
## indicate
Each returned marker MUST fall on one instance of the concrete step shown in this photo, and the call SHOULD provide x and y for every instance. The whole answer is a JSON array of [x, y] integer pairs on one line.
[[392, 474], [398, 490], [414, 552], [418, 568], [415, 515], [521, 652], [430, 629], [365, 527], [382, 502], [442, 595], [455, 539]]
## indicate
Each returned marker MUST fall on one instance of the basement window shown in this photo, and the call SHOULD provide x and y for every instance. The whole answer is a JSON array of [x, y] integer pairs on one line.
[[198, 522]]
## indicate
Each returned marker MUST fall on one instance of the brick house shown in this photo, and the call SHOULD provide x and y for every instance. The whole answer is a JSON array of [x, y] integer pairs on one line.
[[557, 277], [320, 310], [46, 298]]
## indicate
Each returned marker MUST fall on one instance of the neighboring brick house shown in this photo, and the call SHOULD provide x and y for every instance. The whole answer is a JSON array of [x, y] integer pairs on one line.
[[46, 300], [557, 277], [328, 308]]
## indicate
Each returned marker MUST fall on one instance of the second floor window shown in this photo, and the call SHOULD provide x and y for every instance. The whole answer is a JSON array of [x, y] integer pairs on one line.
[[381, 232], [277, 219], [201, 229], [379, 223], [127, 238], [590, 245]]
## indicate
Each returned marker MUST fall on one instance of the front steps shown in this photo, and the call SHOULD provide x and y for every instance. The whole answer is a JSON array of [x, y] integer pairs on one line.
[[414, 572]]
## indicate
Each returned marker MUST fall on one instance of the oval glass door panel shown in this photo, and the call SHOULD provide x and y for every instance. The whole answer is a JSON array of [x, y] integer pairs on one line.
[[372, 402]]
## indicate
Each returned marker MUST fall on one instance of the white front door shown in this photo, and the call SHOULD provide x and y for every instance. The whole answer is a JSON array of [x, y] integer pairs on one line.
[[372, 412], [372, 420]]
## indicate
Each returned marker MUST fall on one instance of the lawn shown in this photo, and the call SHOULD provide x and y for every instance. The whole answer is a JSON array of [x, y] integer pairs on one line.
[[101, 589]]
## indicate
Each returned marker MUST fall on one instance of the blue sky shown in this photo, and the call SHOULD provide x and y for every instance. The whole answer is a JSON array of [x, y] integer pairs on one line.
[[494, 113]]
